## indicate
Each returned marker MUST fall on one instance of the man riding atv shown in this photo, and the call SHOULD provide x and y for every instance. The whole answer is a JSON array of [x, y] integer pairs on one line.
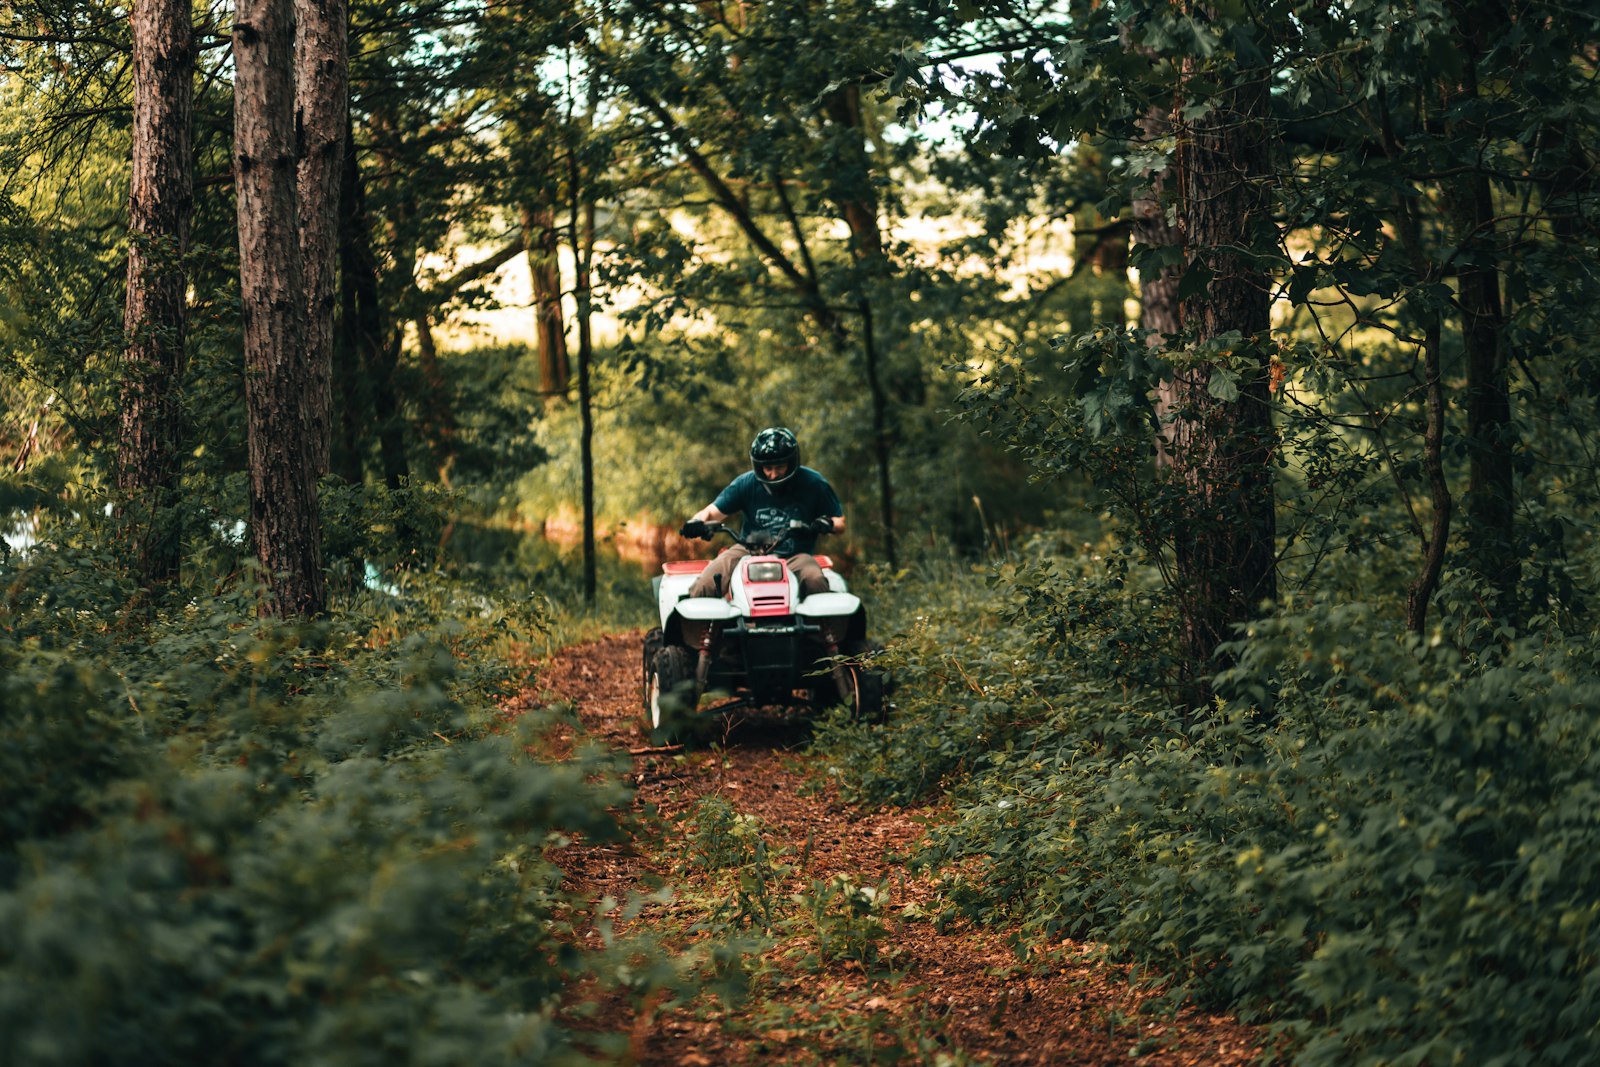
[[773, 494]]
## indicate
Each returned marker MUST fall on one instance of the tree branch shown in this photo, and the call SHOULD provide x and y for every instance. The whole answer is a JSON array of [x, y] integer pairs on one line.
[[441, 291], [736, 209]]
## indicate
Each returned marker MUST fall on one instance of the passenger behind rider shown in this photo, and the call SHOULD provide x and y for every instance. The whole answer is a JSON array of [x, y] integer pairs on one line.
[[775, 491]]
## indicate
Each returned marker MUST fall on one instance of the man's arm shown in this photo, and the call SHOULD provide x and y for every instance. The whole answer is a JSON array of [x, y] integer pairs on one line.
[[709, 513]]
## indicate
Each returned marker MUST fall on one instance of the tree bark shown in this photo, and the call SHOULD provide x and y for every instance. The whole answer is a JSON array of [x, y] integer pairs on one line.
[[1491, 491], [278, 379], [583, 248], [160, 206], [539, 233], [1160, 315], [1491, 495], [322, 100], [438, 414], [859, 206], [581, 190], [1436, 542], [1420, 592], [369, 349], [1224, 550]]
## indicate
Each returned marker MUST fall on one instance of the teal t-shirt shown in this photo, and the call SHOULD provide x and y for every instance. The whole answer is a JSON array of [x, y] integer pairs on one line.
[[805, 496]]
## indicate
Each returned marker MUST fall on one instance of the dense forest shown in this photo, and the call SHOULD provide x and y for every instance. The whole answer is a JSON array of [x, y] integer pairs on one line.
[[1211, 389]]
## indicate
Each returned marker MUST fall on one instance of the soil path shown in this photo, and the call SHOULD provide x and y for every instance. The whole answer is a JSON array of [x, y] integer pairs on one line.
[[946, 994]]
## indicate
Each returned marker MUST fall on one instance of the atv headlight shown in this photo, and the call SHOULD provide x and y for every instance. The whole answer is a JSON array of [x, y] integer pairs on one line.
[[764, 572]]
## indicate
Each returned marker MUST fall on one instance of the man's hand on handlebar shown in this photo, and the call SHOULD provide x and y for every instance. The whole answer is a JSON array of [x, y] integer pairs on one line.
[[822, 524], [695, 528]]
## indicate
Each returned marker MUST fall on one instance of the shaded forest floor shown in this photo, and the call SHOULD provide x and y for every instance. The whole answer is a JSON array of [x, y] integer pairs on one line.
[[849, 964]]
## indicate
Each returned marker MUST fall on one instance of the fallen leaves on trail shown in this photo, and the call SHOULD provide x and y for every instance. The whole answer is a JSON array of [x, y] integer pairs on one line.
[[953, 994]]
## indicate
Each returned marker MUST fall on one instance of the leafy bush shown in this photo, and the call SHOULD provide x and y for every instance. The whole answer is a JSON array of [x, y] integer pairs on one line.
[[1397, 866], [230, 840]]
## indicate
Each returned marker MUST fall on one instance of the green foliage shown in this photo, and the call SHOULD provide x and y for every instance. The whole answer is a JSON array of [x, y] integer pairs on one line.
[[1397, 866], [227, 838], [496, 395], [840, 920]]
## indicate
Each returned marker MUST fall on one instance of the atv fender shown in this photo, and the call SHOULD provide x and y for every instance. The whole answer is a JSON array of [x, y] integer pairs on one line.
[[830, 604], [706, 609]]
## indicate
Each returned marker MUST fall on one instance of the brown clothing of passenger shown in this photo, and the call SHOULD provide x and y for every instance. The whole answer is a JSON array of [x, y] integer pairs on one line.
[[717, 578]]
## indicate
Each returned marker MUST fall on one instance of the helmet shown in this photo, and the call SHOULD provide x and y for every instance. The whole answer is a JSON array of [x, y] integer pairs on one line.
[[772, 446]]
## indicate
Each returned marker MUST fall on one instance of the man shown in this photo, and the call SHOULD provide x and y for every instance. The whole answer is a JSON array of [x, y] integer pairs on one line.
[[775, 491]]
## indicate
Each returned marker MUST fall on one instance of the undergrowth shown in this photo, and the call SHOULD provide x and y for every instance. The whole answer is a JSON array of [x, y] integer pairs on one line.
[[809, 963], [228, 839], [1385, 846]]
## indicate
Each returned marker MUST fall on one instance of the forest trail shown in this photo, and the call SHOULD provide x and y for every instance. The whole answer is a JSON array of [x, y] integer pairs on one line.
[[922, 993]]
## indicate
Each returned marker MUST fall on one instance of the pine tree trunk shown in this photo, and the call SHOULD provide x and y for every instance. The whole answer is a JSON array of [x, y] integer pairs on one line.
[[322, 99], [1224, 550], [278, 378], [1159, 313], [544, 268], [1435, 542], [584, 249], [367, 360], [1491, 494], [160, 206], [860, 211], [1490, 500], [438, 415]]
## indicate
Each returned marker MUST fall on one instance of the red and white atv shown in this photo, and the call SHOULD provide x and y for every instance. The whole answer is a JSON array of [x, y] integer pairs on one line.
[[760, 643]]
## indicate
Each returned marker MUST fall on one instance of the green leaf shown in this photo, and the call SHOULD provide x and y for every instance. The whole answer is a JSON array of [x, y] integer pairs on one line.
[[1303, 283], [1196, 279], [1224, 384]]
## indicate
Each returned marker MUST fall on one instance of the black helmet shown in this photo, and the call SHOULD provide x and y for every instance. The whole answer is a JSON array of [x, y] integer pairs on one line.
[[772, 446]]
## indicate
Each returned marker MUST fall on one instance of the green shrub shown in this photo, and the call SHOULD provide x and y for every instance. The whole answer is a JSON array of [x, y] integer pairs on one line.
[[230, 840], [1399, 868]]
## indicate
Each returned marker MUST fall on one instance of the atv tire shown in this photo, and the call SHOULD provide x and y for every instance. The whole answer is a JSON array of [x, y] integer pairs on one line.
[[864, 694], [653, 643], [670, 697]]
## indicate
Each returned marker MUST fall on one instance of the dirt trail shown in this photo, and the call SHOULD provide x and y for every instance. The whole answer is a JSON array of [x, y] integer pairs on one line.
[[957, 993]]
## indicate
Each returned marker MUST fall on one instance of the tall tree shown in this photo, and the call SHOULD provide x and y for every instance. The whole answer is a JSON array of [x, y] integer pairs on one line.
[[858, 204], [367, 348], [1221, 430], [161, 203], [280, 383], [782, 148], [581, 187], [322, 99], [542, 237], [1469, 200]]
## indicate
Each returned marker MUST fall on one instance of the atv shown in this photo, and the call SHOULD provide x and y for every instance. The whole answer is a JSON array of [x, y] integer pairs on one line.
[[760, 644]]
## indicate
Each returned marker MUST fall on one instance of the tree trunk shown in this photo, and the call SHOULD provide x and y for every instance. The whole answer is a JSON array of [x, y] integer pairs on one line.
[[1436, 541], [544, 267], [1490, 500], [438, 415], [368, 358], [322, 99], [1224, 548], [1491, 492], [584, 249], [859, 206], [353, 361], [386, 412], [1420, 592], [278, 379], [1160, 315], [159, 208], [582, 235]]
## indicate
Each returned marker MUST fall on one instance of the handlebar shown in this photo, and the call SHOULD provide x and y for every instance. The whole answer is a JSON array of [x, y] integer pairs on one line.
[[755, 540]]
